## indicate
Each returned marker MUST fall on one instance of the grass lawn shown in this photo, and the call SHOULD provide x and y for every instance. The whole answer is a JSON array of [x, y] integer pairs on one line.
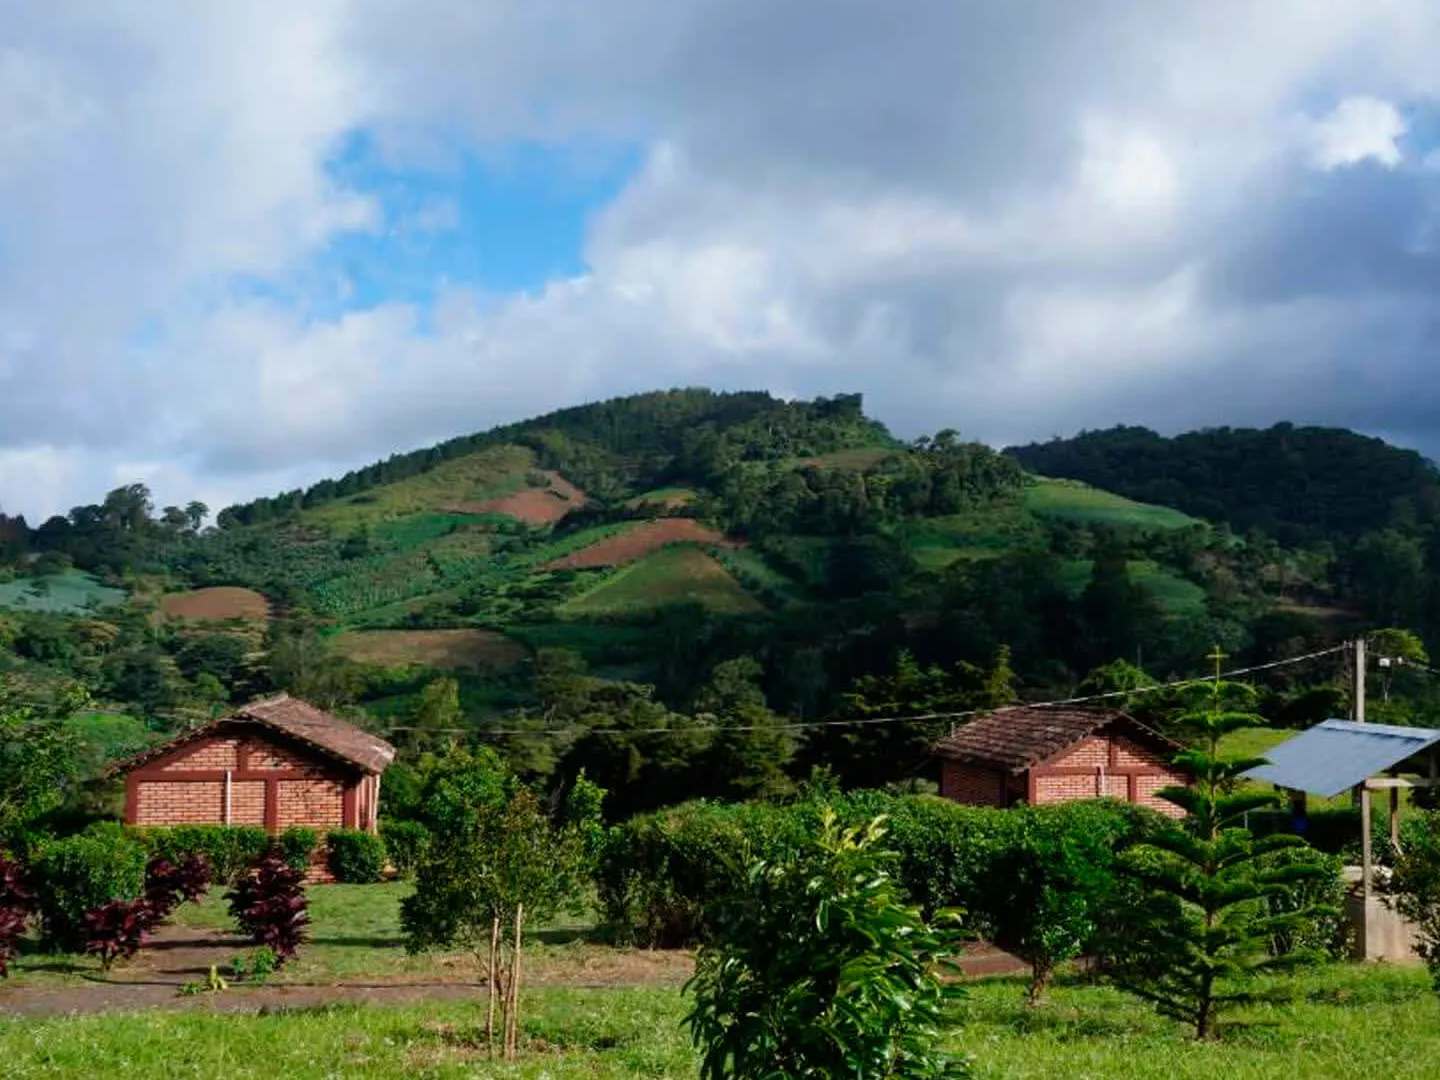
[[1347, 1023]]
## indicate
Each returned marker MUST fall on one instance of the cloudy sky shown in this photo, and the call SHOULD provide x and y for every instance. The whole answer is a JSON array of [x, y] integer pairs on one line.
[[245, 244]]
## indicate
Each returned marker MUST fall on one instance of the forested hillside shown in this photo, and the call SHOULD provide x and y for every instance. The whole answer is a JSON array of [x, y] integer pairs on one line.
[[673, 590]]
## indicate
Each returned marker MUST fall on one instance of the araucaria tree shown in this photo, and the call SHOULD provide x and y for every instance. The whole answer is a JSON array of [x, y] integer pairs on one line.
[[494, 859], [820, 969], [1204, 924]]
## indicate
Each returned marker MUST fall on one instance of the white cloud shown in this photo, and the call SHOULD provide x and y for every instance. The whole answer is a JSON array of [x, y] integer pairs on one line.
[[1359, 129], [1055, 215]]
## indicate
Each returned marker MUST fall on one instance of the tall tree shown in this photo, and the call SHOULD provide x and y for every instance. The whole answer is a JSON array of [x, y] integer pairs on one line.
[[1204, 927]]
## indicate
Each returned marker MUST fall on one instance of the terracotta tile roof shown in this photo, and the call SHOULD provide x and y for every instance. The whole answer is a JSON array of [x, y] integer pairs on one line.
[[292, 717], [1017, 737], [319, 728]]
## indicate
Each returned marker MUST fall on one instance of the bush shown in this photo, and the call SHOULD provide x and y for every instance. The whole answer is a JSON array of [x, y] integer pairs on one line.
[[257, 967], [17, 902], [405, 844], [117, 930], [270, 906], [356, 857], [297, 846], [169, 884], [80, 874], [819, 969], [1414, 887], [229, 850]]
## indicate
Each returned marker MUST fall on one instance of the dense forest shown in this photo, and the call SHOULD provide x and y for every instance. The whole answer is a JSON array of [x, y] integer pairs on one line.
[[689, 592]]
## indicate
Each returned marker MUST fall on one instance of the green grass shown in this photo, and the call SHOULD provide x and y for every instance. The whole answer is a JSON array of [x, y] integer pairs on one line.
[[988, 533], [856, 459], [70, 593], [488, 474], [683, 495], [1347, 1023], [1071, 500], [673, 575], [1178, 597]]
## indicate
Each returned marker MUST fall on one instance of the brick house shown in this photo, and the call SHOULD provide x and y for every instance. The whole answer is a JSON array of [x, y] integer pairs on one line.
[[274, 763], [1037, 756]]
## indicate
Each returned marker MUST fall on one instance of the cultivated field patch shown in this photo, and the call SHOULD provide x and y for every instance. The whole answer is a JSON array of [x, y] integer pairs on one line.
[[640, 541], [675, 575], [216, 604], [1071, 500], [445, 650], [669, 498], [533, 505]]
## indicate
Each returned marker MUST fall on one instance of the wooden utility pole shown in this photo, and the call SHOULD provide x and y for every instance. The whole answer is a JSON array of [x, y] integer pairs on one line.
[[1357, 701]]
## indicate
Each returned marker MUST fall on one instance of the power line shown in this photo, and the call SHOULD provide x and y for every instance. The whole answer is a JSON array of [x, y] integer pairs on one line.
[[873, 720]]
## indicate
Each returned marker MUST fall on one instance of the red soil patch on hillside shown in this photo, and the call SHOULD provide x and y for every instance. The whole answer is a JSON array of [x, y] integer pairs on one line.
[[445, 650], [216, 605], [639, 542], [533, 506]]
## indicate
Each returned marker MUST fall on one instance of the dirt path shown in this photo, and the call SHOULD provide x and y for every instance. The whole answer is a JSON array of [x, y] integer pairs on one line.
[[177, 955]]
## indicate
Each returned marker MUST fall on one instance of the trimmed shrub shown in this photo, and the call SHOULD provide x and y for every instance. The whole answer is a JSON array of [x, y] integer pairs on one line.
[[270, 906], [229, 850], [355, 857], [297, 846], [117, 930], [168, 884], [80, 874], [405, 845], [17, 902]]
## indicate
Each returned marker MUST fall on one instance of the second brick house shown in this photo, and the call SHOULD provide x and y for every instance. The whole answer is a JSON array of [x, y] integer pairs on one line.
[[1039, 755]]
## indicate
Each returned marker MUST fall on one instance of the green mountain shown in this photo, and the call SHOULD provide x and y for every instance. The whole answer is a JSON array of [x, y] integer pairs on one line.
[[653, 559]]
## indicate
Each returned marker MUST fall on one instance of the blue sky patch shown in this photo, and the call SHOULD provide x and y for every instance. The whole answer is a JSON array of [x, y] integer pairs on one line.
[[503, 220]]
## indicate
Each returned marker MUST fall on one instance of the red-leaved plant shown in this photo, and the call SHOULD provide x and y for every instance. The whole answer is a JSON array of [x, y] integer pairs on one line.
[[270, 905], [117, 930], [169, 884], [17, 903]]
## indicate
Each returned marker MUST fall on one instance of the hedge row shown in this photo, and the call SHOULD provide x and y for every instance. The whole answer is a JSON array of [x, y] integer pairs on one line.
[[659, 873]]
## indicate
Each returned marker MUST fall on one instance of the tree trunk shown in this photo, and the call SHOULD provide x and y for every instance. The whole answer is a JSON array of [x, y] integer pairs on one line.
[[493, 978], [1040, 973], [512, 1013]]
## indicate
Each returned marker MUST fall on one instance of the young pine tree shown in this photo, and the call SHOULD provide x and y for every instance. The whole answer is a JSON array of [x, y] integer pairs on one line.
[[1203, 928]]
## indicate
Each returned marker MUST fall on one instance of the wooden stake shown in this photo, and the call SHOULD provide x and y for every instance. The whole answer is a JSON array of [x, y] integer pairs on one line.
[[514, 1011], [493, 985]]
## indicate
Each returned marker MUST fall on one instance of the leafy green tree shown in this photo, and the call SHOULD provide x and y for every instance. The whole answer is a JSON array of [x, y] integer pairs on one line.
[[493, 860], [436, 715], [749, 753], [38, 760], [1044, 891], [820, 969], [1201, 929], [1413, 887]]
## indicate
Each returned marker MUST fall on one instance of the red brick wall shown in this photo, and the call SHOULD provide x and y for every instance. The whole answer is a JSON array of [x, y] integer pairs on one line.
[[316, 803], [327, 797], [1093, 752], [191, 802], [219, 754], [1146, 786], [247, 802], [972, 784]]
